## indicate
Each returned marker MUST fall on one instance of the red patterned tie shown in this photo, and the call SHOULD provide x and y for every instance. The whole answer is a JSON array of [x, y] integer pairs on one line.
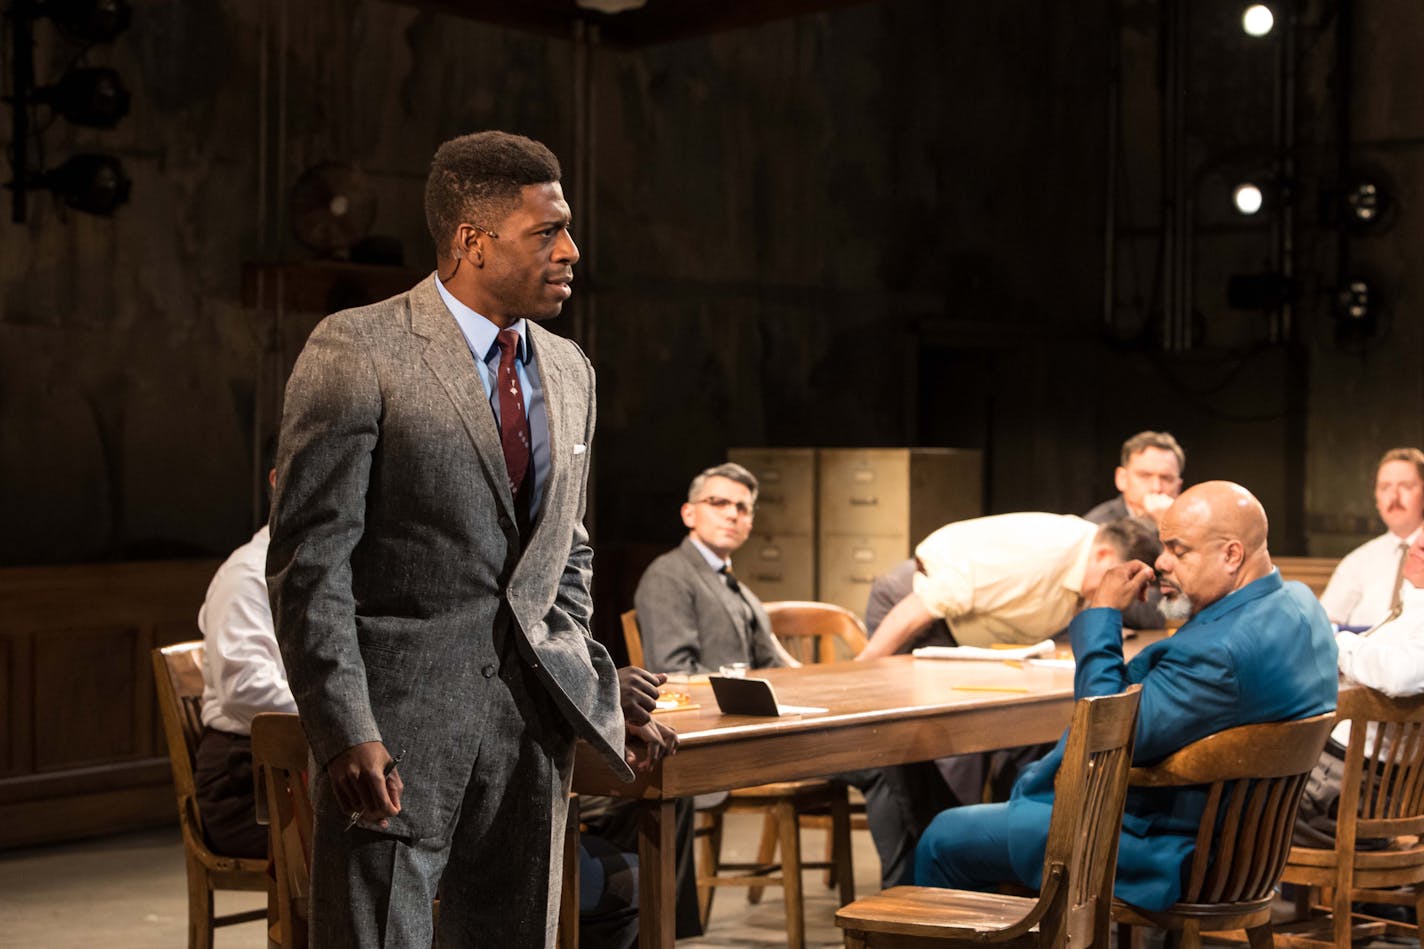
[[513, 426]]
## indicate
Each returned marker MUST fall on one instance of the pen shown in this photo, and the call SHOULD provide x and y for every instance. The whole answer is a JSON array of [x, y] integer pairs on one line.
[[385, 772]]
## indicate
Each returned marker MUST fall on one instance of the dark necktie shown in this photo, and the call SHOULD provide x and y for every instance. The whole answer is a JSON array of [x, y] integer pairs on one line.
[[731, 579], [513, 426]]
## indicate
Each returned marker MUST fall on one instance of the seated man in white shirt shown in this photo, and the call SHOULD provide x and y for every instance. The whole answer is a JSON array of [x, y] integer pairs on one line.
[[1389, 659], [242, 676], [1364, 588]]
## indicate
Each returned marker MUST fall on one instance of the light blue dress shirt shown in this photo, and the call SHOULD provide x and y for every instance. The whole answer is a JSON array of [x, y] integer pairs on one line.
[[480, 335]]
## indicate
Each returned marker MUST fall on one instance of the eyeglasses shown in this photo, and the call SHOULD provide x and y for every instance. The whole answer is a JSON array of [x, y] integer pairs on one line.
[[721, 504]]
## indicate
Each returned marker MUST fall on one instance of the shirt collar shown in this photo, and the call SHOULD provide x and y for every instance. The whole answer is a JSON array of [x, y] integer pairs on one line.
[[713, 561], [480, 333]]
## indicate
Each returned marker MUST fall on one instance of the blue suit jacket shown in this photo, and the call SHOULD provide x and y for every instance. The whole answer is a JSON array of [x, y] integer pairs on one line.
[[1264, 653]]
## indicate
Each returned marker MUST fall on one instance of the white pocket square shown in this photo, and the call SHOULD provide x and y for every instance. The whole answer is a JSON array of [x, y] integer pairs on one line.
[[580, 449]]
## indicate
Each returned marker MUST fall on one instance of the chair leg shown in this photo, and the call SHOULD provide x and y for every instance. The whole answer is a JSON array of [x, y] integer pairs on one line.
[[766, 851], [1341, 918], [839, 835], [791, 874], [854, 939], [709, 861], [200, 906], [1261, 937], [1191, 935]]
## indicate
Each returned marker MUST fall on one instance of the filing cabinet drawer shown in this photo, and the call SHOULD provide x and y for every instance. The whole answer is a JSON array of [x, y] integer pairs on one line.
[[778, 567], [864, 491], [786, 502], [848, 564]]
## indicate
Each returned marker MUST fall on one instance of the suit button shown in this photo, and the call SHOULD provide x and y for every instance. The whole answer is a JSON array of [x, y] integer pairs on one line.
[[505, 523], [514, 594], [488, 671]]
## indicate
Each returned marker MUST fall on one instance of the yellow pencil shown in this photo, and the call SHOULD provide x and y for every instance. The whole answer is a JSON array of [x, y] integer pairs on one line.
[[988, 688]]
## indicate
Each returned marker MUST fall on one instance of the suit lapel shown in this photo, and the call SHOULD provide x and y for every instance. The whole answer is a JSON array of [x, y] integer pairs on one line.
[[448, 356], [717, 587]]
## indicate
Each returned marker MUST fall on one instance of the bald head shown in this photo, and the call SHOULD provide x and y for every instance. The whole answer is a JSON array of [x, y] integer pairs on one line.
[[1214, 542]]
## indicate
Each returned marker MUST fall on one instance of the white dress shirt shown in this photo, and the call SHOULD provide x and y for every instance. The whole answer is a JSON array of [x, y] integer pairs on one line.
[[1012, 578], [1389, 660], [242, 668], [1362, 585]]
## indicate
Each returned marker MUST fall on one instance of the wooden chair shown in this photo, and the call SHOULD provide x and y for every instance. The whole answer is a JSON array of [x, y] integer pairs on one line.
[[1381, 796], [1314, 572], [1073, 905], [279, 760], [814, 632], [632, 638], [1253, 777], [783, 803], [178, 677]]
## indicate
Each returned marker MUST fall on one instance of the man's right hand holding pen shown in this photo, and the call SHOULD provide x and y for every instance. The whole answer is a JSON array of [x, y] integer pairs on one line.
[[366, 783]]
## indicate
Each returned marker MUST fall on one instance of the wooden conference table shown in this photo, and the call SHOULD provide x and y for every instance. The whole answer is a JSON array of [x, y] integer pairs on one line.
[[882, 712]]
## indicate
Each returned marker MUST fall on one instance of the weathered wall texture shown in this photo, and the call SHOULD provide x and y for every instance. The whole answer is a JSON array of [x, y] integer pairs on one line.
[[881, 225]]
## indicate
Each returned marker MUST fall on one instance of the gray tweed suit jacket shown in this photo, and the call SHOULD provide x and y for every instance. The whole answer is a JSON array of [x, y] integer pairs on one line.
[[395, 565], [691, 622]]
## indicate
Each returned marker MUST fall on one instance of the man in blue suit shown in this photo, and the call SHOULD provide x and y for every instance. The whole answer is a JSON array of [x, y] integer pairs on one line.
[[1255, 649]]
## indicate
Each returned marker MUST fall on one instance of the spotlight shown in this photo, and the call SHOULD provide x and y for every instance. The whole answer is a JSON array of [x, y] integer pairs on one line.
[[1258, 20], [95, 184], [95, 21], [1356, 303], [1367, 206], [1248, 198], [95, 97]]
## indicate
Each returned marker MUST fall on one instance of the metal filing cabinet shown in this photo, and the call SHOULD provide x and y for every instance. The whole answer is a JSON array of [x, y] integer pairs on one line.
[[830, 520], [876, 504], [778, 562]]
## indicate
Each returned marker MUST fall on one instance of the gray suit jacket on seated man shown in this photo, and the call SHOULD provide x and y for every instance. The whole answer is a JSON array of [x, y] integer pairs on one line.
[[429, 572]]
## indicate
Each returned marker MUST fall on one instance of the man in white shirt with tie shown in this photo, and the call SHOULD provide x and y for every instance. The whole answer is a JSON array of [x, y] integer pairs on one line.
[[1365, 586]]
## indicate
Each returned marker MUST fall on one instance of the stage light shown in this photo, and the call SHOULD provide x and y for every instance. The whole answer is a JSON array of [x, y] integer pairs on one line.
[[94, 21], [1247, 198], [1355, 302], [93, 183], [95, 97], [1258, 20], [1368, 206]]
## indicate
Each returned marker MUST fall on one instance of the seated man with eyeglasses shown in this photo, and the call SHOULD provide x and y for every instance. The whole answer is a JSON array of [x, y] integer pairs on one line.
[[694, 615]]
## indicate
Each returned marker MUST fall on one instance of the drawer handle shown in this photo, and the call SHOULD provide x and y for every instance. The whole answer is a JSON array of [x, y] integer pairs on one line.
[[863, 554], [863, 475], [770, 475], [770, 552], [870, 501], [763, 499], [767, 577], [861, 578]]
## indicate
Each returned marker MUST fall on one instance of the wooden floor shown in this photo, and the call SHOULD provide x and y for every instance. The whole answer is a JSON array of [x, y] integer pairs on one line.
[[127, 892]]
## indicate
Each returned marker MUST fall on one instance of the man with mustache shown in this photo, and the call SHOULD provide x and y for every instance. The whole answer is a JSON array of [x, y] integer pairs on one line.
[[1365, 587], [1253, 649]]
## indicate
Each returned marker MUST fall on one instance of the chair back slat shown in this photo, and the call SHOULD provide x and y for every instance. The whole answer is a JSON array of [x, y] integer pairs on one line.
[[815, 632], [280, 762], [632, 638], [1089, 793], [1382, 786], [1253, 777], [178, 678]]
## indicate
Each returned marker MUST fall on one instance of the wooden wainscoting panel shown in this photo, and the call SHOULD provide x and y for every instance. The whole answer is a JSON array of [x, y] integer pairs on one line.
[[85, 683]]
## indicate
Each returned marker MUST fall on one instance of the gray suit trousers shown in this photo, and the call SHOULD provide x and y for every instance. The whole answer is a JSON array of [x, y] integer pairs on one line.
[[496, 869]]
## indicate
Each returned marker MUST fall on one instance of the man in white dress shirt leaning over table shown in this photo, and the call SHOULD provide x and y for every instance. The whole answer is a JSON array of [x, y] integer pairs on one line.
[[1365, 586]]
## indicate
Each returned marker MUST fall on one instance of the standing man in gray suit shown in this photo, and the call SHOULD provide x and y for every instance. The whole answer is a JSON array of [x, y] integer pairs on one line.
[[694, 614], [429, 573]]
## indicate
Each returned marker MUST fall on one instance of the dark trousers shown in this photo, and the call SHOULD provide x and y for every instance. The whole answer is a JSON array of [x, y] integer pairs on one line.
[[615, 820], [222, 775]]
